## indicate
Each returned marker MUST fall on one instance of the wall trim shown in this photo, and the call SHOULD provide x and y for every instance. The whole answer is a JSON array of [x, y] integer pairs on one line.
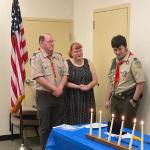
[[46, 19]]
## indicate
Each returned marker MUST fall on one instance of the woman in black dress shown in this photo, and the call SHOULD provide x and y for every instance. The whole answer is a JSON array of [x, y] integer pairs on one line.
[[79, 94]]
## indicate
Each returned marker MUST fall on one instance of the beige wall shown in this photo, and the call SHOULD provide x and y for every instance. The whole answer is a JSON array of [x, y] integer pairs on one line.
[[58, 9], [139, 37]]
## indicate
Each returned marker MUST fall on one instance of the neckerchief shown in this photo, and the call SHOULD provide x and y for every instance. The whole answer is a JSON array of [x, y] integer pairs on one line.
[[53, 68], [117, 73]]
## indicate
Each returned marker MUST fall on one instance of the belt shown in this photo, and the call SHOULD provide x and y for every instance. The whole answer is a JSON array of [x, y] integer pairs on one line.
[[44, 92], [125, 94]]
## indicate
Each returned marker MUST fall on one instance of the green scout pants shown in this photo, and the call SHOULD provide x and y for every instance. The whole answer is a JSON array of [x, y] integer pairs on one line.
[[50, 111], [120, 105]]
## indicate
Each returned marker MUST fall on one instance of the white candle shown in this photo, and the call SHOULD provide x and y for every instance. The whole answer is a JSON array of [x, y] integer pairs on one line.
[[131, 140], [119, 140], [91, 120], [100, 121], [110, 130], [142, 135]]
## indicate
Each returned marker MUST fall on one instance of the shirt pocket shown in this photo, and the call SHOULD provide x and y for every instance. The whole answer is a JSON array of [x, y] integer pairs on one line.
[[125, 73], [46, 69]]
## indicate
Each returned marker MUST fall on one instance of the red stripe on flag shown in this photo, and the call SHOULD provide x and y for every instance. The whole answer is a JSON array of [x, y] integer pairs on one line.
[[25, 56], [14, 88], [19, 57], [23, 43], [14, 68]]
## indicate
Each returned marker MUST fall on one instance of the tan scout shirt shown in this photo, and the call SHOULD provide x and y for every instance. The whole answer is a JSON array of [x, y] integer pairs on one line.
[[41, 67], [131, 72]]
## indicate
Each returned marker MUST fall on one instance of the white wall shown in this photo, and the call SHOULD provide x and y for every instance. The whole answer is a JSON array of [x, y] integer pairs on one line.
[[4, 65], [140, 44], [139, 37], [58, 9], [61, 9]]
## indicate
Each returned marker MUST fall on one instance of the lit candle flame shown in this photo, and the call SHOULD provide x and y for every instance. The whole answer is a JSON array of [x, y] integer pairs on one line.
[[142, 122], [135, 120], [100, 111], [113, 115], [123, 118], [91, 110]]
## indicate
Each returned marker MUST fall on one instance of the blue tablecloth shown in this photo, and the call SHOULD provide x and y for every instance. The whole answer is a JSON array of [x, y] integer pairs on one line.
[[61, 139]]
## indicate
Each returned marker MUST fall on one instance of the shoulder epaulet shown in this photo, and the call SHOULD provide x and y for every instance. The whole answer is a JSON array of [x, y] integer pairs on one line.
[[58, 56], [35, 53], [136, 61], [57, 53]]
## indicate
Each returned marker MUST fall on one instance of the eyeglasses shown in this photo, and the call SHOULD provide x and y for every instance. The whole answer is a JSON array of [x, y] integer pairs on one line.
[[77, 51], [51, 41]]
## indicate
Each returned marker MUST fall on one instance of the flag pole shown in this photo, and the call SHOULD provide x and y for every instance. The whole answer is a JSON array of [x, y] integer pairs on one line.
[[22, 147]]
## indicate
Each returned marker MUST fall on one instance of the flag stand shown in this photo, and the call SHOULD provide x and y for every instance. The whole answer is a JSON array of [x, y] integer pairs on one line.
[[22, 147], [106, 142]]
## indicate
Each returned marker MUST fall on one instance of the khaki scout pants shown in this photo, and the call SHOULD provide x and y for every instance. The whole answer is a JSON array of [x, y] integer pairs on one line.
[[120, 105], [50, 113]]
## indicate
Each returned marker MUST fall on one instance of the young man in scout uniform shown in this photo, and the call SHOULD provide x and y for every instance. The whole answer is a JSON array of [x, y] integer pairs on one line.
[[50, 74], [126, 82]]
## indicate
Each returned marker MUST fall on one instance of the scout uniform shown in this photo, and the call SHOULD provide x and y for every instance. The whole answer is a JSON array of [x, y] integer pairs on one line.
[[123, 86], [52, 69], [50, 108]]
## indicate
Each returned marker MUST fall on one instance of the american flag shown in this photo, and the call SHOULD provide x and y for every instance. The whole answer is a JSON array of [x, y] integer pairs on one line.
[[19, 56]]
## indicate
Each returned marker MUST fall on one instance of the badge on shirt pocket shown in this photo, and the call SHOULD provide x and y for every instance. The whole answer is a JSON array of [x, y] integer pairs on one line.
[[125, 72], [46, 69]]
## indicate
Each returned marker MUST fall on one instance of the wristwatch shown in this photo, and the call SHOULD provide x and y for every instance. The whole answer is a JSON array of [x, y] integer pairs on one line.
[[135, 101]]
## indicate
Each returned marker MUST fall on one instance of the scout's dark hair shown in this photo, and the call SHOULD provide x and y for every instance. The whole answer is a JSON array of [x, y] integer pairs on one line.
[[76, 45], [118, 40]]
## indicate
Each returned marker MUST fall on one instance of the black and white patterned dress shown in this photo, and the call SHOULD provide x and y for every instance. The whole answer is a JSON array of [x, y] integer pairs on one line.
[[78, 103]]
